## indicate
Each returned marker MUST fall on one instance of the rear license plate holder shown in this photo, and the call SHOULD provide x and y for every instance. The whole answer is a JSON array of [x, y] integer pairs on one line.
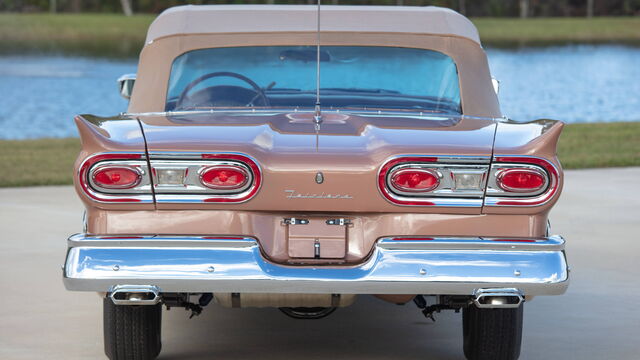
[[317, 237]]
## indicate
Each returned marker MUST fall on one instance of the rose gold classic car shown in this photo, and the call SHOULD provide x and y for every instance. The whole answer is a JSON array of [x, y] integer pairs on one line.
[[297, 157]]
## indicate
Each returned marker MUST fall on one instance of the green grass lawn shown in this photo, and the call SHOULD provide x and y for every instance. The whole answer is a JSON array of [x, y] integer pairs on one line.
[[114, 35], [37, 162], [600, 145], [50, 161], [103, 35], [546, 31]]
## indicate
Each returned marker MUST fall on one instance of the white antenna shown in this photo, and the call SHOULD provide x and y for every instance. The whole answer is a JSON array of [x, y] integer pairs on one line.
[[318, 116]]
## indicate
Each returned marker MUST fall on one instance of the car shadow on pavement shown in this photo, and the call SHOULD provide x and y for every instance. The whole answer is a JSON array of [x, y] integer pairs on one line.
[[370, 329]]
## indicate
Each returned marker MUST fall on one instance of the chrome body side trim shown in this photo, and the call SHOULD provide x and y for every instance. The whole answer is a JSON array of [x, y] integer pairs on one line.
[[439, 266]]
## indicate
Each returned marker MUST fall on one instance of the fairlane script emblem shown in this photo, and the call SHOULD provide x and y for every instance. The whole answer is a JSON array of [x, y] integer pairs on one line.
[[292, 194]]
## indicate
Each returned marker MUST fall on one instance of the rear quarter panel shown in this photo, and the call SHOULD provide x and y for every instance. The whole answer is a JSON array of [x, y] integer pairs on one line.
[[538, 138], [103, 135]]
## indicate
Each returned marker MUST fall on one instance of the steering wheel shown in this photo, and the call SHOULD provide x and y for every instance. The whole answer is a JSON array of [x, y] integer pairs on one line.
[[256, 88]]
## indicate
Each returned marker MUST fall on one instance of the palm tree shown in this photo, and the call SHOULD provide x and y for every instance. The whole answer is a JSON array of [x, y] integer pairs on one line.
[[524, 8], [462, 7], [126, 7]]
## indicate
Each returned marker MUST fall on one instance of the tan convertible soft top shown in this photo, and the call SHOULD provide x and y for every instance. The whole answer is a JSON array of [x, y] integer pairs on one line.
[[186, 28], [210, 19]]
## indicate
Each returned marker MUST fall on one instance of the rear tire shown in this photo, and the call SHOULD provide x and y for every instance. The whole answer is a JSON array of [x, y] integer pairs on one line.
[[131, 331], [492, 334]]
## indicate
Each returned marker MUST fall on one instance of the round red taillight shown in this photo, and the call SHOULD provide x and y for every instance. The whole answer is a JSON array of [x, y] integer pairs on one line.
[[415, 180], [521, 180], [224, 177], [116, 177]]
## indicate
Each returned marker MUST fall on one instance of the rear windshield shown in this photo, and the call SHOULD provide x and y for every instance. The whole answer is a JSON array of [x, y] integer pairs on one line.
[[352, 77]]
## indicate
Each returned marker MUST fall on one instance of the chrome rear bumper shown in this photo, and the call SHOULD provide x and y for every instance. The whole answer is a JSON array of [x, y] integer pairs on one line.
[[438, 266]]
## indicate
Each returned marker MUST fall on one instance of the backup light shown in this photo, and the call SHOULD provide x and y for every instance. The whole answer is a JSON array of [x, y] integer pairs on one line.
[[170, 176], [468, 181]]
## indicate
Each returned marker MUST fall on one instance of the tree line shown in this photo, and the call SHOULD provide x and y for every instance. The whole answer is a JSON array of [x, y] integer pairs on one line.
[[493, 8]]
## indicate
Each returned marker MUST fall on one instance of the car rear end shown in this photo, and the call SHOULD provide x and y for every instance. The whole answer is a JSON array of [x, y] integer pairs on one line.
[[234, 179], [311, 221], [308, 227]]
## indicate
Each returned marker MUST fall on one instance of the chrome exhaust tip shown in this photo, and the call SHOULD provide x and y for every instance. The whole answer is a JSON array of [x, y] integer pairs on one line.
[[135, 295], [498, 298]]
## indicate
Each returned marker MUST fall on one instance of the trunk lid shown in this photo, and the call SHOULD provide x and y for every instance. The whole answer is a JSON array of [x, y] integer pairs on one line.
[[291, 150]]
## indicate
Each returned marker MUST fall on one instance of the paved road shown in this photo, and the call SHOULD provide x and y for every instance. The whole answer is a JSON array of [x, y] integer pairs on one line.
[[598, 318]]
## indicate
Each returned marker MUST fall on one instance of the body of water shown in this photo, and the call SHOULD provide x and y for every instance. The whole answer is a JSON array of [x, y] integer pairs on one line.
[[584, 83], [581, 83]]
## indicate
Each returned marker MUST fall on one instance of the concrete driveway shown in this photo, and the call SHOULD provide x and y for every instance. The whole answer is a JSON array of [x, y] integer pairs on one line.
[[599, 214]]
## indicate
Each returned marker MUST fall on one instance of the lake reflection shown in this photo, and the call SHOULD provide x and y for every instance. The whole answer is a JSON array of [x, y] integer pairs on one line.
[[39, 96], [588, 83]]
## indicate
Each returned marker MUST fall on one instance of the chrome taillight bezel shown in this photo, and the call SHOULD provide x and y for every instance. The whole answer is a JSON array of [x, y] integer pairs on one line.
[[136, 168], [491, 195], [495, 188], [402, 189], [498, 197], [500, 174], [139, 194], [193, 170], [446, 193], [199, 193], [236, 167], [147, 189], [396, 188]]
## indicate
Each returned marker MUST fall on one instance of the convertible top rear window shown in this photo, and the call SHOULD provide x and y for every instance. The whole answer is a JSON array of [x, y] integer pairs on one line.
[[352, 77]]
